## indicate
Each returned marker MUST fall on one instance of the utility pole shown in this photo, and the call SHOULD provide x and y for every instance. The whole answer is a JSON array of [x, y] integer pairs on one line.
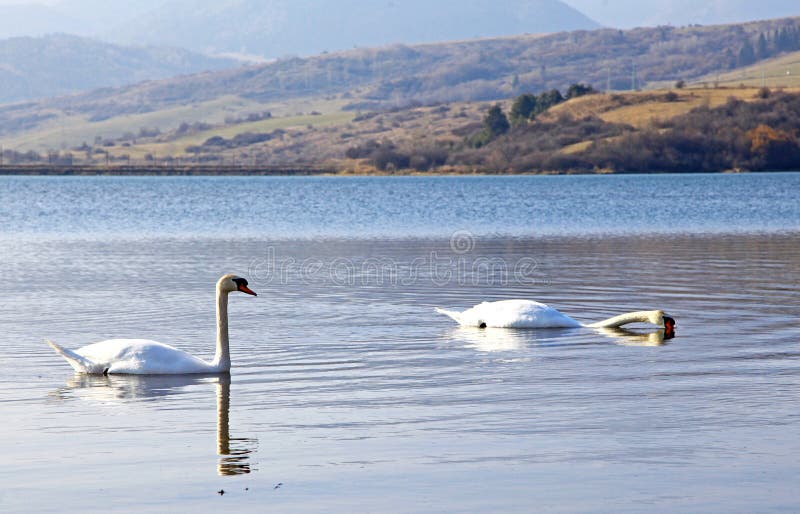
[[608, 78], [633, 78]]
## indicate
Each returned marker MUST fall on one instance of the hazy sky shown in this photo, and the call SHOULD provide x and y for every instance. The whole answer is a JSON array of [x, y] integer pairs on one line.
[[612, 13], [632, 13]]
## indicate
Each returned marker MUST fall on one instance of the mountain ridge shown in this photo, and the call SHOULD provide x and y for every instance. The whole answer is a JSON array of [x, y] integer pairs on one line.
[[280, 28], [59, 64]]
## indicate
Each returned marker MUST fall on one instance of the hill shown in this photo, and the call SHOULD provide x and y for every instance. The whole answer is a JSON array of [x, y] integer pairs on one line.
[[389, 77], [689, 130], [332, 89], [780, 71], [59, 64]]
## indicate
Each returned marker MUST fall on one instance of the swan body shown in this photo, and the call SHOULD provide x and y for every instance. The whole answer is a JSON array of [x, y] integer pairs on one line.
[[144, 357], [134, 357], [512, 314], [530, 314]]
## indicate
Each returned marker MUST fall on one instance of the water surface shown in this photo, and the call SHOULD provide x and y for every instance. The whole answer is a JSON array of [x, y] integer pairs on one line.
[[397, 207], [349, 393]]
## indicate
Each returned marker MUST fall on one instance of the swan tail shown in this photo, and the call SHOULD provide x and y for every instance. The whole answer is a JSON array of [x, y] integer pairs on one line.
[[78, 362], [456, 316]]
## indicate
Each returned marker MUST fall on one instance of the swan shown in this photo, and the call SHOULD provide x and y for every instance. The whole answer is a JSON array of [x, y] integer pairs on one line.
[[143, 357], [530, 314]]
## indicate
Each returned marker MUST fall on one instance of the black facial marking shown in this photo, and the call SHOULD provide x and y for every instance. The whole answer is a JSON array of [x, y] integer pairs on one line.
[[482, 325], [240, 282]]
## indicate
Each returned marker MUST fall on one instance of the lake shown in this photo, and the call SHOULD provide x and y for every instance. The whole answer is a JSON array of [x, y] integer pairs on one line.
[[348, 393]]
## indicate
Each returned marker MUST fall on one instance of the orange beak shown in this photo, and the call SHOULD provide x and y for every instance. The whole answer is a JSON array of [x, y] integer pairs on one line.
[[247, 290]]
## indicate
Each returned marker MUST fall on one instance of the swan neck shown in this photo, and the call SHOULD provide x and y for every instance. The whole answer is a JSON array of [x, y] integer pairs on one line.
[[624, 319], [222, 358]]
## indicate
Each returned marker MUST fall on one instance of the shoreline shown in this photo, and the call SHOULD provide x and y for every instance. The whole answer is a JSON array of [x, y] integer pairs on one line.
[[133, 171], [288, 171]]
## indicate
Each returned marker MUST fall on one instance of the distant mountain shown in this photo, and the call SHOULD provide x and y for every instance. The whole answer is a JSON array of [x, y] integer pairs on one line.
[[278, 28], [635, 13], [79, 17], [58, 64]]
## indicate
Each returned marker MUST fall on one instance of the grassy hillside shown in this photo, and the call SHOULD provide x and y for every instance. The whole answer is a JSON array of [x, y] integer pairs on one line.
[[648, 108], [781, 71], [423, 107], [384, 78], [687, 130]]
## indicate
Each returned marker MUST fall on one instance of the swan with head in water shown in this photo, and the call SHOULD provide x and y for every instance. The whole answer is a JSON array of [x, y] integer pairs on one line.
[[530, 314], [143, 357]]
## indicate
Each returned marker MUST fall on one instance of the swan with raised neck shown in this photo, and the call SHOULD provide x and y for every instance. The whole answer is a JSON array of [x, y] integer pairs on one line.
[[144, 357]]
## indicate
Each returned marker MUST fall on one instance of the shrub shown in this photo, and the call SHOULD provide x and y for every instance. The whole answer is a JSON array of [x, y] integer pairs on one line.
[[522, 108], [387, 158], [578, 90]]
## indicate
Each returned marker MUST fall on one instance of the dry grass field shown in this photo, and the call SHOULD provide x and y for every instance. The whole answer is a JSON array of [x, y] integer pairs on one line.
[[779, 72], [642, 109]]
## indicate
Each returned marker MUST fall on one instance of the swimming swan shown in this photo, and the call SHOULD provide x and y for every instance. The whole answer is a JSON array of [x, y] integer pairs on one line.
[[143, 357], [530, 314]]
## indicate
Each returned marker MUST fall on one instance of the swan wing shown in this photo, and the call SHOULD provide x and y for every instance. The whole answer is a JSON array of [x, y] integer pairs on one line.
[[513, 314], [143, 357]]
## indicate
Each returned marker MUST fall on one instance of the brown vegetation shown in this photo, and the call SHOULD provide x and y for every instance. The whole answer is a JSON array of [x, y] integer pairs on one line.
[[712, 130]]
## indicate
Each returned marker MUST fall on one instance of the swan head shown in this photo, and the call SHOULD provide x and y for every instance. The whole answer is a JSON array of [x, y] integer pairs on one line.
[[231, 283], [662, 319]]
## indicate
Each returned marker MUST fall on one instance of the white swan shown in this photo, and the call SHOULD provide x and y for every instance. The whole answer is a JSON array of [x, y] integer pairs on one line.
[[530, 314], [143, 357]]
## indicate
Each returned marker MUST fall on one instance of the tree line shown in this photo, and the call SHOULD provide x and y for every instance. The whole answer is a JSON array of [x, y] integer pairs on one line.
[[524, 109], [768, 44]]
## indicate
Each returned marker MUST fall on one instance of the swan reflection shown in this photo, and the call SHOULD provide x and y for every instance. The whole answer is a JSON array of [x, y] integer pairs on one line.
[[627, 337], [490, 340], [233, 452]]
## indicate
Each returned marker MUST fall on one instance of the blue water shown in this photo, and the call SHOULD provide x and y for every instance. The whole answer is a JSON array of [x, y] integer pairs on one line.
[[397, 207], [349, 393]]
